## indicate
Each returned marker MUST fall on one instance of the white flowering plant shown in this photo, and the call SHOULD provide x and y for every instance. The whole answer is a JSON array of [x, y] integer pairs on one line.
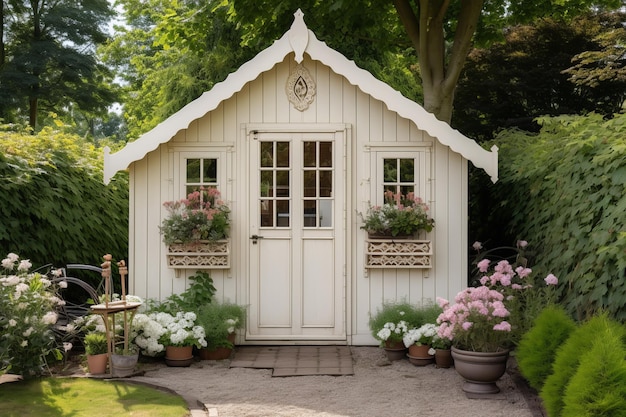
[[28, 304], [154, 331], [421, 336]]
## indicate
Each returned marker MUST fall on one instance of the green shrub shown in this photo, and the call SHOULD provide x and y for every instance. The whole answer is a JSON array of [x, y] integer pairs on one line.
[[568, 359], [537, 348], [598, 388], [57, 209], [573, 208], [95, 343], [219, 320]]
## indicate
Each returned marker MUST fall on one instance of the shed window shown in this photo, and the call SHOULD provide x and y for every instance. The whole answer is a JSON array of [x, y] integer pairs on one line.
[[399, 175], [201, 172]]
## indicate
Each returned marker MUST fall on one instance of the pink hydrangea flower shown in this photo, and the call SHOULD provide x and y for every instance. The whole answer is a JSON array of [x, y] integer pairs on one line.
[[483, 265]]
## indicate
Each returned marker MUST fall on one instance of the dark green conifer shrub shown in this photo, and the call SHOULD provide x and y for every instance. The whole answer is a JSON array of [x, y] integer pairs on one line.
[[568, 358], [537, 348], [598, 388]]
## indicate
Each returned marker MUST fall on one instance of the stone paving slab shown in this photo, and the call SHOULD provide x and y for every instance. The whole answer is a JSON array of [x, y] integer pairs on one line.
[[296, 360]]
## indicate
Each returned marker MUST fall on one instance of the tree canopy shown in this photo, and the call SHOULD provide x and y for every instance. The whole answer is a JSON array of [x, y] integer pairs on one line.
[[48, 58]]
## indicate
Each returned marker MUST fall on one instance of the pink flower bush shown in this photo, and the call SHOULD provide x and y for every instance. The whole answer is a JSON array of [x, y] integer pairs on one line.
[[490, 317], [476, 320]]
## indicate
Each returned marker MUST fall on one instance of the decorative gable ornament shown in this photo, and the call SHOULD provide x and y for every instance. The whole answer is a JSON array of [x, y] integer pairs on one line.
[[300, 88]]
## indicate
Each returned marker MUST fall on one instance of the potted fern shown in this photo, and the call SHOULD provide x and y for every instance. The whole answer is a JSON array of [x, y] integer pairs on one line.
[[96, 350]]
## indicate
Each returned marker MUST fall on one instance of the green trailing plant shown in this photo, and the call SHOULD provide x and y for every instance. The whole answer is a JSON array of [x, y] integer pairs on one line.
[[598, 388], [574, 205], [537, 348], [219, 320], [568, 359], [95, 343]]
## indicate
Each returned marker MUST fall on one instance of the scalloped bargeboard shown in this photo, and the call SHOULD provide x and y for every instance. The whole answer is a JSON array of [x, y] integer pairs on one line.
[[296, 360]]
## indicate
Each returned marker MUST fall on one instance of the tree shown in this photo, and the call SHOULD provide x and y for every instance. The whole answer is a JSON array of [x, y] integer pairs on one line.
[[512, 83], [440, 31], [47, 59]]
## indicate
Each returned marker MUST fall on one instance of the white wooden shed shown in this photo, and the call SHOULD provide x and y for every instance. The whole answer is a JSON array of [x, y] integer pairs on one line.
[[297, 141]]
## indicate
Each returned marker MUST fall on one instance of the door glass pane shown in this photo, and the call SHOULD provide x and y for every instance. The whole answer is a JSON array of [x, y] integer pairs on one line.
[[310, 154], [267, 213], [326, 184], [282, 154], [282, 213], [282, 184], [267, 154], [326, 154], [310, 214], [193, 170], [309, 186], [326, 213], [267, 184]]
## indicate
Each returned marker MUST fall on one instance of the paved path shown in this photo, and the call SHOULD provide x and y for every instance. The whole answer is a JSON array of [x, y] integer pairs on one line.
[[398, 389]]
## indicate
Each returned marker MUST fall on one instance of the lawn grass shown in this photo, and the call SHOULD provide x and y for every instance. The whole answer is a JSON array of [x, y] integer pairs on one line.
[[83, 397]]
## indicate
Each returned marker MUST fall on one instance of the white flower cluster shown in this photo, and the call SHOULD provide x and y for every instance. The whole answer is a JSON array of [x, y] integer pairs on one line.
[[388, 328], [421, 336], [153, 331]]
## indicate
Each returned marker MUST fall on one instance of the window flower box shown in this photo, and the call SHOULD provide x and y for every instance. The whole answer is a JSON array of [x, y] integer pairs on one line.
[[398, 253], [203, 254]]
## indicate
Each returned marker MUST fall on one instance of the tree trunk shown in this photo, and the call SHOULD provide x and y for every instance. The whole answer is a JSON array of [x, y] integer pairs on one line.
[[440, 73]]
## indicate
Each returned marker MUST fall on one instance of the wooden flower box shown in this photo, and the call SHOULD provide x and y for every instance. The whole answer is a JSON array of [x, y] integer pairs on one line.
[[204, 254], [398, 253]]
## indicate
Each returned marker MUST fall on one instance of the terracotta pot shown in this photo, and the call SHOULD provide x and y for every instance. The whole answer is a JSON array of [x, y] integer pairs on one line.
[[123, 365], [443, 358], [394, 350], [418, 355], [219, 353], [97, 364], [480, 370], [178, 355]]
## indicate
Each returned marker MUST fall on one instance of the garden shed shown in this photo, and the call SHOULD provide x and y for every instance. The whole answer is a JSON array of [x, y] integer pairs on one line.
[[300, 141]]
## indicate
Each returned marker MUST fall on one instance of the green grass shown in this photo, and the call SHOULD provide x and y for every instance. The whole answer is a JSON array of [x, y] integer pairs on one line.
[[78, 397]]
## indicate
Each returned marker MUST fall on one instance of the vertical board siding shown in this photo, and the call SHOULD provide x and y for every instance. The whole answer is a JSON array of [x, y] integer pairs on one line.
[[154, 180]]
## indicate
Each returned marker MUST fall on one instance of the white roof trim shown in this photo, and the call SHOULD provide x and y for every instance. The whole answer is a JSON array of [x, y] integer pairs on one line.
[[299, 39]]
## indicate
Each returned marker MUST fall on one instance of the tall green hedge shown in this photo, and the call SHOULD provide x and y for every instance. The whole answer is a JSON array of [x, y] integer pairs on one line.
[[564, 191], [54, 206]]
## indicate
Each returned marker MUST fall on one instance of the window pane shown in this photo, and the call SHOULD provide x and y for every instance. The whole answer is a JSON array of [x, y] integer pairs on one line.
[[282, 184], [326, 183], [310, 214], [310, 186], [405, 189], [326, 154], [267, 154], [282, 154], [210, 171], [193, 170], [407, 170], [282, 213], [309, 154], [390, 167]]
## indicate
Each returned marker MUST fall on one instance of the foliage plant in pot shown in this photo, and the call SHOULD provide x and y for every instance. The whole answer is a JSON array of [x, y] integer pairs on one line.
[[220, 322], [96, 350], [440, 347], [400, 216]]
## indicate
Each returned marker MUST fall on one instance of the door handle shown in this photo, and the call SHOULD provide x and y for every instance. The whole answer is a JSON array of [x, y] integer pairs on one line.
[[254, 238]]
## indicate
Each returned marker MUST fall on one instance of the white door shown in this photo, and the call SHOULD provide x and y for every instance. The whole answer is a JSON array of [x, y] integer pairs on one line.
[[297, 236]]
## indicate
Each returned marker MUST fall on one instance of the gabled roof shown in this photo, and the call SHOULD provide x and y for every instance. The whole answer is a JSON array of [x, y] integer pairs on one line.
[[299, 39]]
